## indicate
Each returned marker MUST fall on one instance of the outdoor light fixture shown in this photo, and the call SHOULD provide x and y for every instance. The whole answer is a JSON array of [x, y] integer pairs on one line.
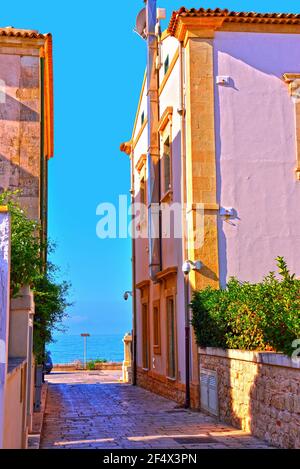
[[227, 212], [127, 294], [187, 266]]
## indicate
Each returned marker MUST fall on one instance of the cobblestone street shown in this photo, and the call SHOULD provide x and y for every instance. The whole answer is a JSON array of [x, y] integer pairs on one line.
[[92, 410]]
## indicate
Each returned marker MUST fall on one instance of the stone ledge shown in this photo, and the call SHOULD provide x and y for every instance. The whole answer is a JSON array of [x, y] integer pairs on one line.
[[266, 358], [34, 438], [23, 302], [109, 366], [15, 364]]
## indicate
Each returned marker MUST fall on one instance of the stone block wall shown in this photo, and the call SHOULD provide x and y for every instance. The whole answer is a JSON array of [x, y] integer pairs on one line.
[[166, 387], [110, 366], [20, 116], [258, 392]]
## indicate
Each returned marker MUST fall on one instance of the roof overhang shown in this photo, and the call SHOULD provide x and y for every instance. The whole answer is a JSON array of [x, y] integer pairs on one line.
[[208, 19]]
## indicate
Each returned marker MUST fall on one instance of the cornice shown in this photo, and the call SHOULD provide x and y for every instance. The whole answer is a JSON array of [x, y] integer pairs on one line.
[[202, 27]]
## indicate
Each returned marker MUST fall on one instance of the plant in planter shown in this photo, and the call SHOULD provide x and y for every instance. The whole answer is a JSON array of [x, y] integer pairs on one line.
[[262, 316], [28, 268]]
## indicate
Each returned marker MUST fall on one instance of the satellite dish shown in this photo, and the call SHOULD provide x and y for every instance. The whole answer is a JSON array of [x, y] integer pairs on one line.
[[141, 23]]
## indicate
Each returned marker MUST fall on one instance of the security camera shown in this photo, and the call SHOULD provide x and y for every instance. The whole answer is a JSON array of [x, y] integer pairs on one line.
[[186, 268]]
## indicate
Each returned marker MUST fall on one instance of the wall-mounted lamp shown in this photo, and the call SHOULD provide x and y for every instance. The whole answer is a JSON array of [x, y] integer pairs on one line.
[[187, 266], [127, 294], [222, 80], [227, 212]]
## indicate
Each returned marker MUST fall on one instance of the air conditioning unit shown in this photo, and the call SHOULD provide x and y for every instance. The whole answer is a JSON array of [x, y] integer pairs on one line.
[[209, 391]]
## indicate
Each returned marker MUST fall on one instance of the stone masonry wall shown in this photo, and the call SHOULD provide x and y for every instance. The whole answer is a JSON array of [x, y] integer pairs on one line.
[[165, 387], [258, 392], [20, 126]]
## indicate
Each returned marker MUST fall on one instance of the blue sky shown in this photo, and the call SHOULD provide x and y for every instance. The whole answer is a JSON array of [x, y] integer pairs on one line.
[[98, 69]]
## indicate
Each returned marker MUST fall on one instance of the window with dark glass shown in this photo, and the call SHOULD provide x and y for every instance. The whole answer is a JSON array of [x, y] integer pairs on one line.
[[142, 191], [167, 165], [166, 64], [156, 328]]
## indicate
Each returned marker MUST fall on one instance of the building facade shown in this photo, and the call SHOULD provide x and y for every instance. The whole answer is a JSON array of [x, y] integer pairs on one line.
[[228, 89], [26, 117], [26, 144]]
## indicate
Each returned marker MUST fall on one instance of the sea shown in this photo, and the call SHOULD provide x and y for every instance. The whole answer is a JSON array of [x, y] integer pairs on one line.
[[69, 348]]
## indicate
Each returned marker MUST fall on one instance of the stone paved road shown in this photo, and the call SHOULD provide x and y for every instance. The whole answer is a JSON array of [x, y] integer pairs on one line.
[[92, 410]]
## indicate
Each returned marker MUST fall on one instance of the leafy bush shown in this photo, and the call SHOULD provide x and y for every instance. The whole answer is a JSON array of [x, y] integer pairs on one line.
[[28, 268], [26, 246], [91, 364], [262, 316], [51, 303]]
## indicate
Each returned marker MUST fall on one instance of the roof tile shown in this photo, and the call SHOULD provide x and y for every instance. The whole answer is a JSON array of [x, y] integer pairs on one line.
[[21, 33], [233, 16]]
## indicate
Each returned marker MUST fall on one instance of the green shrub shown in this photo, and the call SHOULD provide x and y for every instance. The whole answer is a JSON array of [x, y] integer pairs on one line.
[[100, 360], [91, 364], [262, 316], [28, 268]]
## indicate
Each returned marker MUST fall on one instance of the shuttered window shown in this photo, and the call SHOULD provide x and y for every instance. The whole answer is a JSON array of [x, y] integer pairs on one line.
[[145, 335], [171, 338], [156, 329]]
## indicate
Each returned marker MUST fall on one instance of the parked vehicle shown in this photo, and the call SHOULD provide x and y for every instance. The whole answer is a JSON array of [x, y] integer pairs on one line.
[[48, 365]]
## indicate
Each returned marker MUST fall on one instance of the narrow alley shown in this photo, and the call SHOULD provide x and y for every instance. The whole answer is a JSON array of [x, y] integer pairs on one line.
[[94, 411]]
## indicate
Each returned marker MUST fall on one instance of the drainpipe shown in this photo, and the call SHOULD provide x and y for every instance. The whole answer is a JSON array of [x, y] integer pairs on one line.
[[43, 168], [153, 156], [181, 112], [134, 330]]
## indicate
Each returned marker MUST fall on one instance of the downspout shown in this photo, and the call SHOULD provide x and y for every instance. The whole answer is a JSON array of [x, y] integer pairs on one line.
[[43, 168], [134, 329], [42, 181], [127, 148], [153, 155], [183, 185]]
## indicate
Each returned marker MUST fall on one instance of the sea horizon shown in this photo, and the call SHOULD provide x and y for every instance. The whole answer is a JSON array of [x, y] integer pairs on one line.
[[68, 348]]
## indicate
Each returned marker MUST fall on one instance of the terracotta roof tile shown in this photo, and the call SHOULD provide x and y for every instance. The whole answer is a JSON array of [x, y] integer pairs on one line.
[[22, 33], [233, 16]]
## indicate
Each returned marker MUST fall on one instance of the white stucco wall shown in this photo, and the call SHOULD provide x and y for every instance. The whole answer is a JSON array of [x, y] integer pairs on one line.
[[256, 153], [4, 310]]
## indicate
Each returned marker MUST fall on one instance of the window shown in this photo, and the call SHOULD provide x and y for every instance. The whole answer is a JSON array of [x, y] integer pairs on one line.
[[141, 224], [293, 80], [167, 166], [145, 336], [23, 383], [143, 202], [171, 338], [156, 329], [166, 64], [142, 191], [165, 130]]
